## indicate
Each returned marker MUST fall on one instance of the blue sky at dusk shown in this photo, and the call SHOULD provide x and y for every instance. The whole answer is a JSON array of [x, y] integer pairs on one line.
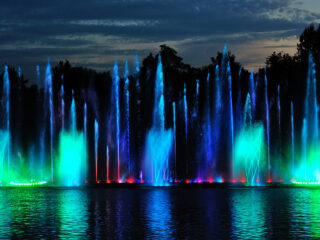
[[94, 33]]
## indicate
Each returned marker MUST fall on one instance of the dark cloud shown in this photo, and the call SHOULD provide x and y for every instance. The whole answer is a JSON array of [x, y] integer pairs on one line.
[[89, 32]]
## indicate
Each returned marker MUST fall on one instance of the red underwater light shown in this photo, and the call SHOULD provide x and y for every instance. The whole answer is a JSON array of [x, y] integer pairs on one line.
[[130, 180]]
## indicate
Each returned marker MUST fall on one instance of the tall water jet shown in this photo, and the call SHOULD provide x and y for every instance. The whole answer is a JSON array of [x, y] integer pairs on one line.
[[62, 106], [42, 120], [310, 167], [71, 164], [5, 149], [217, 115], [249, 149], [267, 121], [231, 116], [108, 159], [252, 91], [238, 110], [85, 136], [137, 118], [49, 98], [158, 140], [208, 142], [96, 139], [279, 131], [185, 105], [115, 87], [127, 102], [196, 105], [174, 139]]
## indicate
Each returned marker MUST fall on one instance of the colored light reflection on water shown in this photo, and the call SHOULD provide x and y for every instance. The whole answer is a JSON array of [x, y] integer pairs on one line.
[[151, 213], [158, 213], [248, 219], [72, 208]]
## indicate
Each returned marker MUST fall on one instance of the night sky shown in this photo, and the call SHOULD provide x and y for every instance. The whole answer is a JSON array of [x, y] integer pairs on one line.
[[94, 33]]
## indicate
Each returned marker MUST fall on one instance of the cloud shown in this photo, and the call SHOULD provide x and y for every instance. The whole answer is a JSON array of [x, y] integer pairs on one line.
[[91, 32]]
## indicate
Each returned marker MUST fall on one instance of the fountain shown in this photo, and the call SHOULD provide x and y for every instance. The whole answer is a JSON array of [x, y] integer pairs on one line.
[[309, 169], [208, 141], [49, 99], [175, 140], [252, 91], [96, 139], [62, 106], [185, 110], [212, 138], [267, 121], [158, 139], [249, 150], [108, 160], [231, 115], [5, 150], [115, 99], [127, 106], [72, 159]]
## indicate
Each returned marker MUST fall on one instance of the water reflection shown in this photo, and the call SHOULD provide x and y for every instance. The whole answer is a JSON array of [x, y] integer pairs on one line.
[[248, 214], [22, 216], [158, 214], [71, 213], [5, 215], [161, 213], [305, 213]]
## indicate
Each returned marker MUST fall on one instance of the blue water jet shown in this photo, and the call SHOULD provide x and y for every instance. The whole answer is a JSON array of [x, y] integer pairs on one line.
[[62, 106], [158, 140], [252, 91], [115, 87], [185, 110], [127, 106], [238, 110], [267, 120], [49, 97], [231, 114], [96, 139], [108, 160], [208, 149], [175, 139]]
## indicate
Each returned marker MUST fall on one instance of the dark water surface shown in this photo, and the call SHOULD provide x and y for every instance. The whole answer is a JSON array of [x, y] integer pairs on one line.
[[163, 213]]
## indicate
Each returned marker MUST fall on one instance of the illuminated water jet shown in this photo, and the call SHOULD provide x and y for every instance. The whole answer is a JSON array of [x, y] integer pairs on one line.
[[249, 149], [71, 163], [159, 139]]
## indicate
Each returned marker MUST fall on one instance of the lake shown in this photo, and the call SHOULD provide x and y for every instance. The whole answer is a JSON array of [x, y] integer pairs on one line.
[[159, 213]]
